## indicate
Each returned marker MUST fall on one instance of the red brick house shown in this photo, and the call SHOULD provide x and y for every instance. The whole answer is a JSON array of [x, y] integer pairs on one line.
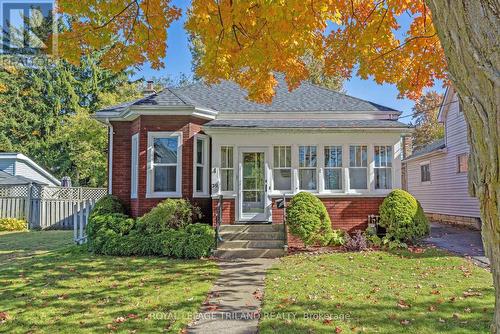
[[199, 142]]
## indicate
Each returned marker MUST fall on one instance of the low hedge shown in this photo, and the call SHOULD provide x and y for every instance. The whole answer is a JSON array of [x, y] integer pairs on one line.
[[109, 204], [403, 217], [308, 219], [13, 224], [119, 235]]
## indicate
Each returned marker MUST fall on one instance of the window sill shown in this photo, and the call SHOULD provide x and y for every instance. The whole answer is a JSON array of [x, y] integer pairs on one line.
[[163, 195]]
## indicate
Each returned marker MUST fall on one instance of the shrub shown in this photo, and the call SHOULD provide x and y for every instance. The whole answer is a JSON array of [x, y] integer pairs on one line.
[[109, 204], [200, 241], [337, 239], [104, 232], [355, 243], [308, 219], [13, 224], [171, 213], [403, 217]]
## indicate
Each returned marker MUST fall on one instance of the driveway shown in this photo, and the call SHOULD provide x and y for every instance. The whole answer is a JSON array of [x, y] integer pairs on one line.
[[458, 240]]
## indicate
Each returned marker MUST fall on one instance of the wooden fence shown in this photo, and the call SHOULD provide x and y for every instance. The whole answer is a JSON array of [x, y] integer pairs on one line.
[[50, 207]]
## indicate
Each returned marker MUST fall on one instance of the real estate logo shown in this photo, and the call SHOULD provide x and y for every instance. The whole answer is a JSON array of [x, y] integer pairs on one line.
[[29, 28]]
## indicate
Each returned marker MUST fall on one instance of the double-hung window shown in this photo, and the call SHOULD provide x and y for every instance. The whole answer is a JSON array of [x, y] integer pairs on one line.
[[307, 167], [226, 168], [333, 167], [282, 171], [200, 165], [358, 167], [165, 158], [383, 167], [425, 172]]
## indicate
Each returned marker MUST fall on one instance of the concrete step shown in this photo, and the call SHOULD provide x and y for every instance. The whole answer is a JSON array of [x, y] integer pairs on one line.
[[248, 253], [227, 236], [261, 244], [241, 228]]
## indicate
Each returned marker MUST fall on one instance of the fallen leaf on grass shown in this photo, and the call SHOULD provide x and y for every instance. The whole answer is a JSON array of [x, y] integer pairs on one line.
[[338, 330], [432, 308], [403, 305], [471, 293], [119, 320], [405, 322]]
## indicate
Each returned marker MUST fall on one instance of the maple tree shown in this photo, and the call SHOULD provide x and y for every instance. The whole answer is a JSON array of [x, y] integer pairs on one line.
[[249, 40]]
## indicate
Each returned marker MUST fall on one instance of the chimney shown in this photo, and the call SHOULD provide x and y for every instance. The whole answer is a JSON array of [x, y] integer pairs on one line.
[[407, 146], [149, 88]]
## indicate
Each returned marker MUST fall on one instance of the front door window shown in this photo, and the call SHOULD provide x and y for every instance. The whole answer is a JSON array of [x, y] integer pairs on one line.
[[253, 184]]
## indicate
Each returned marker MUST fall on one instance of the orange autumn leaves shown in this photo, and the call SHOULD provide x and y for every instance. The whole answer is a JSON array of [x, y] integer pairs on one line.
[[249, 40], [127, 33]]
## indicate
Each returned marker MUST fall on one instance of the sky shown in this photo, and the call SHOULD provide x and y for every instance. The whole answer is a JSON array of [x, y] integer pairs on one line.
[[178, 61]]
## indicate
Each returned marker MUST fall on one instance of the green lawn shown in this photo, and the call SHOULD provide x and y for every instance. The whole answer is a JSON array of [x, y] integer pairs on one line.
[[49, 286], [377, 292]]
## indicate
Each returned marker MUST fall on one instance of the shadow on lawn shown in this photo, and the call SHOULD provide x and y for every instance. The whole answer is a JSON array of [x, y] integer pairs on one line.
[[70, 289], [368, 318], [455, 305]]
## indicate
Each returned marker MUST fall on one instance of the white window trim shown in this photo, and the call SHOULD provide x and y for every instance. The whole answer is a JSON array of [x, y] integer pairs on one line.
[[389, 158], [235, 162], [325, 168], [430, 173], [369, 161], [308, 168], [134, 166], [205, 165], [150, 176], [273, 168]]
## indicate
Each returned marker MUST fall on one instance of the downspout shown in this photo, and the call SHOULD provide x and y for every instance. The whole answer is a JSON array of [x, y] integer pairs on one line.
[[110, 156]]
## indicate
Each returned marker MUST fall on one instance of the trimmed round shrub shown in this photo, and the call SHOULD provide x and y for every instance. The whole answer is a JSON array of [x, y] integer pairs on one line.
[[308, 219], [403, 217], [109, 204], [171, 213], [13, 224]]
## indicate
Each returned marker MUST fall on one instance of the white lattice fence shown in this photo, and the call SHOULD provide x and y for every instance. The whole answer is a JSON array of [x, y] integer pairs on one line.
[[49, 207]]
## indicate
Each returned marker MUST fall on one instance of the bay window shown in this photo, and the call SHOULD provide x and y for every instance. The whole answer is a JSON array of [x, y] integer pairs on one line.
[[227, 168], [282, 168], [333, 167], [164, 177], [307, 168], [358, 167], [383, 167]]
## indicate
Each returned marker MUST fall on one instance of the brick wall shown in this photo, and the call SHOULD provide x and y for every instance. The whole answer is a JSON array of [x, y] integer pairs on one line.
[[228, 211], [123, 131], [346, 213]]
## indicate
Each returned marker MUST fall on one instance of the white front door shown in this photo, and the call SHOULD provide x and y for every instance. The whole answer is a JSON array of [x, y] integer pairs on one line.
[[253, 198]]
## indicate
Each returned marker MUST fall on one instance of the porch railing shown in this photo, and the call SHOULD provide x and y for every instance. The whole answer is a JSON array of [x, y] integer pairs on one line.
[[281, 204], [218, 221]]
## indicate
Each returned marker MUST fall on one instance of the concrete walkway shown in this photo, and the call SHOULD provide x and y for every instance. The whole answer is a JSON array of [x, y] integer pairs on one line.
[[233, 306], [458, 240]]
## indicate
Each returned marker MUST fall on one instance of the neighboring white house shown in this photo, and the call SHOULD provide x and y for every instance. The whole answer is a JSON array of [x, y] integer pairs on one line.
[[437, 174], [19, 165]]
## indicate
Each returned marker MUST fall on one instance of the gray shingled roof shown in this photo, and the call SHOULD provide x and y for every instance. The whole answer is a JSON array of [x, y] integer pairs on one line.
[[227, 96], [434, 146], [304, 123]]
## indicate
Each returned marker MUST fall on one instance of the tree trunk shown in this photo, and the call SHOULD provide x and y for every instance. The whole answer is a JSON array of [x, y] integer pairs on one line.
[[469, 34]]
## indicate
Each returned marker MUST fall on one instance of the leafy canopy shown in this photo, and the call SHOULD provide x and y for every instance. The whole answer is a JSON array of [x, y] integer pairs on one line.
[[249, 40]]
